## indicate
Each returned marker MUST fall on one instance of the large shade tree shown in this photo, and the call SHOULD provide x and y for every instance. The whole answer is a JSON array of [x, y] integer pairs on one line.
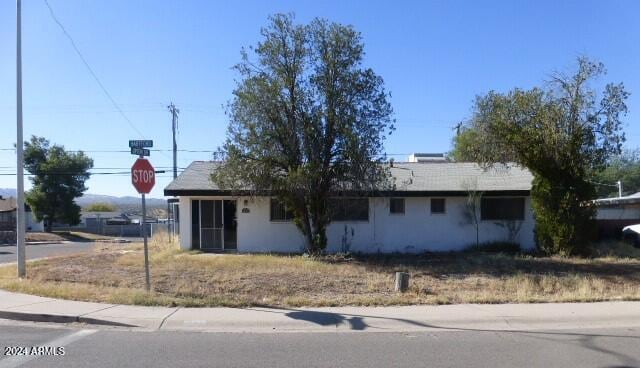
[[307, 121], [59, 178], [564, 133]]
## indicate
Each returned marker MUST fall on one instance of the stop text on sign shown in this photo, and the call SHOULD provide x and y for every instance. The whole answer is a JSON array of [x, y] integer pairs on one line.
[[143, 176]]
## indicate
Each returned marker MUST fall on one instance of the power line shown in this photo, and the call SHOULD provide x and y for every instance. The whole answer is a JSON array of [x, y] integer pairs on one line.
[[181, 150], [93, 74], [5, 168]]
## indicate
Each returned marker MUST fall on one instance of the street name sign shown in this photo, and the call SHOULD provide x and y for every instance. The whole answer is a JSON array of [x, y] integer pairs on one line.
[[140, 151], [144, 143]]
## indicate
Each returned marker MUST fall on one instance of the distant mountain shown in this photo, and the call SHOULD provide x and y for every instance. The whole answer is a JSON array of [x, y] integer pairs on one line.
[[126, 201], [127, 204], [131, 205], [7, 192]]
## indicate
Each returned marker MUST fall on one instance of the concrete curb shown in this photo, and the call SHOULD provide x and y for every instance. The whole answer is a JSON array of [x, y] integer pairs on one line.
[[58, 318], [459, 317], [114, 241], [39, 243], [117, 241]]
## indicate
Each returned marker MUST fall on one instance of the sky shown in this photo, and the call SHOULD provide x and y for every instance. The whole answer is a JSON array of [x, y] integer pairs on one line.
[[434, 56]]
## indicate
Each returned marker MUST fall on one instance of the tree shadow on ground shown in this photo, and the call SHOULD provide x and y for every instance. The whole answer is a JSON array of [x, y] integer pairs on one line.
[[328, 319]]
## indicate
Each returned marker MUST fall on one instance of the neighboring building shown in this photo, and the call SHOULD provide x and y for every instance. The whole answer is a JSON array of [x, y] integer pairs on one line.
[[98, 219], [425, 212], [613, 214], [427, 157], [8, 215]]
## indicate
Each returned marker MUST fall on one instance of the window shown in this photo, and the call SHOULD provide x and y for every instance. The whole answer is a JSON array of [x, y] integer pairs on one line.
[[502, 209], [396, 206], [437, 205], [279, 212], [349, 209]]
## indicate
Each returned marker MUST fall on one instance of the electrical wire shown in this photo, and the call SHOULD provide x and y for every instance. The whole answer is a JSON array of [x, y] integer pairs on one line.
[[93, 74], [179, 150]]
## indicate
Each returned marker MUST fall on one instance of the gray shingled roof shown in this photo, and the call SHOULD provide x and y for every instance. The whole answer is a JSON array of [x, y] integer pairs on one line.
[[409, 177]]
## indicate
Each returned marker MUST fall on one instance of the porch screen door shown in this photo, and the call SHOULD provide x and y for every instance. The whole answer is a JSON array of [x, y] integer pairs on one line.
[[211, 229]]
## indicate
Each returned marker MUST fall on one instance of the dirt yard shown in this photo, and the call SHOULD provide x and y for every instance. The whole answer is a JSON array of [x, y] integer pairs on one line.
[[115, 274]]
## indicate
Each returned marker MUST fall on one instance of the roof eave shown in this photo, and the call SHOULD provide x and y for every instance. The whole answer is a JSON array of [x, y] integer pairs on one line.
[[389, 193]]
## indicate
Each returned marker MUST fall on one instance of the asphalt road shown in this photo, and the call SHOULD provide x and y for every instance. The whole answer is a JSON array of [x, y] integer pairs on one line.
[[8, 252], [86, 347]]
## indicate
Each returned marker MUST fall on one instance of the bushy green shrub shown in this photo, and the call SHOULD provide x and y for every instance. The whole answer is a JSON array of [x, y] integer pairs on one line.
[[564, 216]]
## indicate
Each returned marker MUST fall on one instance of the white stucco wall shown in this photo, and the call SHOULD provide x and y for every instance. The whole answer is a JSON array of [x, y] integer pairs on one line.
[[33, 224], [416, 231]]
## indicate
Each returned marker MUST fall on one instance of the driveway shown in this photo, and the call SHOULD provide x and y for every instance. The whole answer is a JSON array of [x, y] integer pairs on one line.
[[8, 252]]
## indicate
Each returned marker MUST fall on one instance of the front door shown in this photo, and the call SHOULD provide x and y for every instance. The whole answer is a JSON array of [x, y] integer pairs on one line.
[[214, 224]]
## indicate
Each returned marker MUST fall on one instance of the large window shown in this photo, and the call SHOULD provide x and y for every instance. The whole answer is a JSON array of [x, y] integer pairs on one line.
[[437, 205], [396, 206], [349, 209], [279, 212], [502, 209]]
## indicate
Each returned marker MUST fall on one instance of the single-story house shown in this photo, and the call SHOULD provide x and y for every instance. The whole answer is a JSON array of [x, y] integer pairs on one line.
[[426, 211], [8, 215]]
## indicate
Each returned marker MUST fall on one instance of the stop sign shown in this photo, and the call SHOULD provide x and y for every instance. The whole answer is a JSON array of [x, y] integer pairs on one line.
[[143, 176]]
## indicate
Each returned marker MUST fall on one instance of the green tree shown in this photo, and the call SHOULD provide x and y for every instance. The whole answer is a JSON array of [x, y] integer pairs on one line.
[[472, 206], [307, 121], [463, 146], [624, 167], [58, 178], [564, 133], [100, 207], [463, 143]]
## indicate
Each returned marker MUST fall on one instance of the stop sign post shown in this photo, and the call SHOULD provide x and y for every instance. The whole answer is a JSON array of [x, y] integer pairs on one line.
[[143, 178]]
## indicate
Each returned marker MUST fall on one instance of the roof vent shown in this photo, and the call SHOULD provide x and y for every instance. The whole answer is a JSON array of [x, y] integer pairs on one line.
[[427, 157]]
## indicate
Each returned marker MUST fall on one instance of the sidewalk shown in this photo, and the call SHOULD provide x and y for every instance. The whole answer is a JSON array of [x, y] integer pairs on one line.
[[512, 317]]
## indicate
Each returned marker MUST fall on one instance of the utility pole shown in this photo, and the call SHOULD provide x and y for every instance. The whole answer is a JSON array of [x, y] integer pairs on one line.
[[174, 125], [20, 220]]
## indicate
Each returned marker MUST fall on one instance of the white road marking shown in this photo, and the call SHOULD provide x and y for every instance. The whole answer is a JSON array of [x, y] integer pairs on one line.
[[18, 360]]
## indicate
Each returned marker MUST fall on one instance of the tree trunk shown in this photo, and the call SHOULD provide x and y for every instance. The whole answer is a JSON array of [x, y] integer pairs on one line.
[[319, 239], [306, 230]]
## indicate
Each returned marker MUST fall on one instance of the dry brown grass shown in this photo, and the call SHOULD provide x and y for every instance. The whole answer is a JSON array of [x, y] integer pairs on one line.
[[114, 274]]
